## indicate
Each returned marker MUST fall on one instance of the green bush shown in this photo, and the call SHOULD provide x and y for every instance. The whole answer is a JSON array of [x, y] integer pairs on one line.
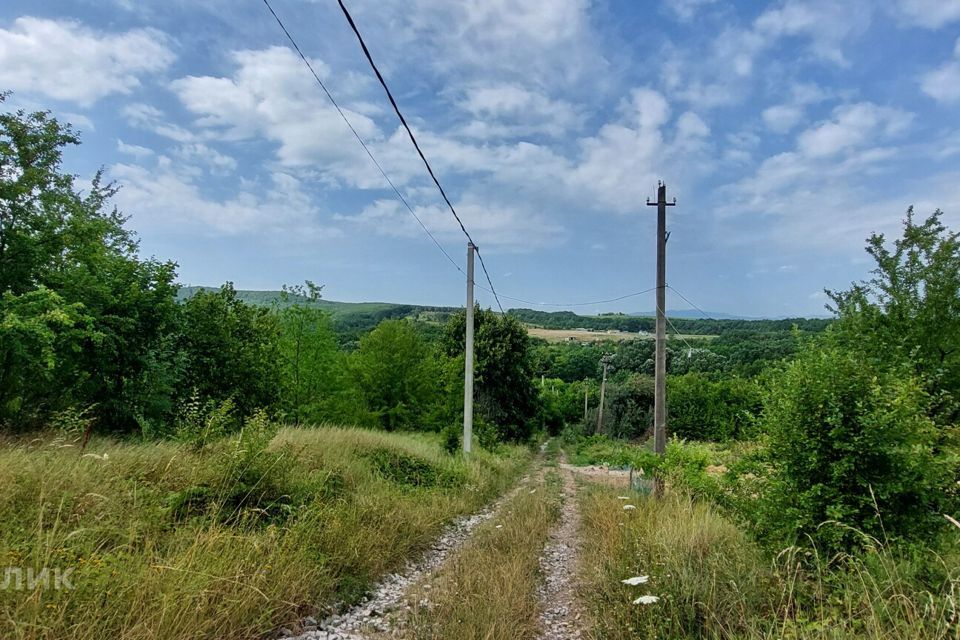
[[852, 453], [451, 438]]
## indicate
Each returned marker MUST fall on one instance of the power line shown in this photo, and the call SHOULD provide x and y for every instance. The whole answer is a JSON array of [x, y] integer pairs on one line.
[[363, 144], [687, 300], [573, 304], [416, 145], [426, 163]]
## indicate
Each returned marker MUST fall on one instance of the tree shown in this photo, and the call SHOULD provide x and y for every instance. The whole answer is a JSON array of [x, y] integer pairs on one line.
[[35, 329], [396, 374], [910, 310], [53, 237], [703, 409], [313, 380], [503, 379], [631, 407], [230, 351]]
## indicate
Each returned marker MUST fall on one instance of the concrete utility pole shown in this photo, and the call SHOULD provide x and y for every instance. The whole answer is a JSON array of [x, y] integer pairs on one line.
[[660, 368], [468, 359], [603, 388]]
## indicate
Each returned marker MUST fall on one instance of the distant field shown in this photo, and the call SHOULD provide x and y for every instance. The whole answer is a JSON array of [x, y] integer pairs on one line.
[[579, 335], [585, 335]]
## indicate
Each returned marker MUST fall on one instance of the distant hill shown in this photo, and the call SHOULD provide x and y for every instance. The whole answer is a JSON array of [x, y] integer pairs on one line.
[[692, 313], [357, 317]]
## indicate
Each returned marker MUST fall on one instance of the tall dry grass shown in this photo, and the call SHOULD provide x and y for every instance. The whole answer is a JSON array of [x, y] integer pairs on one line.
[[713, 582], [164, 545]]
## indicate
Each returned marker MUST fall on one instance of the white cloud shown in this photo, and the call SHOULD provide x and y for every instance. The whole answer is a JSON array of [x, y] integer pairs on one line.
[[617, 168], [782, 118], [271, 95], [506, 40], [722, 71], [152, 119], [852, 126], [943, 84], [67, 61], [932, 14], [201, 154], [168, 196], [509, 109], [826, 23], [134, 150], [501, 227]]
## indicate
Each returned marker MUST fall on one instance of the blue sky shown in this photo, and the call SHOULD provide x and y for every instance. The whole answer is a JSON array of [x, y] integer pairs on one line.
[[788, 131]]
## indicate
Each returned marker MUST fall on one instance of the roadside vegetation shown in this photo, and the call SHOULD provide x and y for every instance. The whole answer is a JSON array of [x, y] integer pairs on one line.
[[828, 506], [712, 580], [230, 539]]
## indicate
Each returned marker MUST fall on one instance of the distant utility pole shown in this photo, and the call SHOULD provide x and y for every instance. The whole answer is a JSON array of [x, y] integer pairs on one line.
[[603, 388], [468, 359], [660, 368]]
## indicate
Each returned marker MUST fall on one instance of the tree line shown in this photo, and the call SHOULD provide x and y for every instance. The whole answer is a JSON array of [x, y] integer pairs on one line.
[[93, 336]]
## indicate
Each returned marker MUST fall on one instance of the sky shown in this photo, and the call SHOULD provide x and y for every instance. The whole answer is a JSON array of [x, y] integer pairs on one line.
[[788, 132]]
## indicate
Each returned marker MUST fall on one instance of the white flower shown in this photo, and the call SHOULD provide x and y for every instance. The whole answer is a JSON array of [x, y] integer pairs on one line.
[[499, 526], [646, 600], [628, 507], [635, 580]]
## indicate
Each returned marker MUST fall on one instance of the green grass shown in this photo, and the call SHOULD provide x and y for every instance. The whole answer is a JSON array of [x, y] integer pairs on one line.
[[168, 541], [714, 583]]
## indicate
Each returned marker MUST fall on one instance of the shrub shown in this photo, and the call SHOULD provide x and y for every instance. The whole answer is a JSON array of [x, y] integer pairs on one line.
[[451, 438], [853, 453], [408, 470]]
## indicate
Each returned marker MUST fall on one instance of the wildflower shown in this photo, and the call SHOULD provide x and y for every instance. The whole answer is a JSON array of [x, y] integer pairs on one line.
[[499, 526], [635, 580], [646, 600], [628, 507]]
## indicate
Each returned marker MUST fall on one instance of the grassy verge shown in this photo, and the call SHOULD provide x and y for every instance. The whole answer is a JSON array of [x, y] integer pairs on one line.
[[169, 541], [713, 582], [489, 590]]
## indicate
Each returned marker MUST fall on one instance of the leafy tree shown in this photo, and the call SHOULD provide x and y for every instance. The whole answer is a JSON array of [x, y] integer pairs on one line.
[[396, 374], [851, 446], [53, 237], [312, 368], [36, 328], [910, 309], [503, 379], [230, 350], [631, 407], [703, 409]]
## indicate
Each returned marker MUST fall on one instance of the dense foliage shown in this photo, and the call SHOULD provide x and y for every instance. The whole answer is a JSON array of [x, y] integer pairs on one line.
[[503, 391], [93, 336]]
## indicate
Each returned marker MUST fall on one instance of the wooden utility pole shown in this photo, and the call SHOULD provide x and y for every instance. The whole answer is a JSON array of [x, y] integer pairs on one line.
[[468, 359], [660, 365], [603, 388]]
